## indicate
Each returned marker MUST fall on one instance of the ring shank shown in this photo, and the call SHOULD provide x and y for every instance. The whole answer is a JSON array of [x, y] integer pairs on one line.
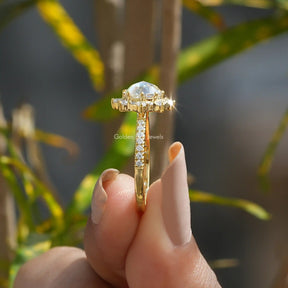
[[142, 173]]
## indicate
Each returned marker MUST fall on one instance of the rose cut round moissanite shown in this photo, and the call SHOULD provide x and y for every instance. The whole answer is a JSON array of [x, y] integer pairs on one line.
[[144, 88]]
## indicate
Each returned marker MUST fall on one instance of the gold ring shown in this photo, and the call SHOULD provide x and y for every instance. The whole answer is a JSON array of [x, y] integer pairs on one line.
[[142, 97]]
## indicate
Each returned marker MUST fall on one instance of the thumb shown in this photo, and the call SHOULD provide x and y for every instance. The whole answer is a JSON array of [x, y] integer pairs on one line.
[[164, 252]]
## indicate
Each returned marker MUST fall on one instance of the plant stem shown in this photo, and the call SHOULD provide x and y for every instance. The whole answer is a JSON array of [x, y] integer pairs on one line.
[[171, 39], [111, 47], [7, 216], [110, 36], [139, 37], [23, 123], [139, 40]]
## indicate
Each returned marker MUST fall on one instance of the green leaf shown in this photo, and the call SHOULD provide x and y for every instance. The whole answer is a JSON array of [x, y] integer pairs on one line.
[[73, 39], [35, 245], [232, 41], [117, 155], [265, 165], [250, 207], [73, 233], [48, 138], [64, 27], [9, 11], [22, 202], [41, 190], [205, 12], [262, 4], [57, 141], [102, 109], [204, 55], [224, 263]]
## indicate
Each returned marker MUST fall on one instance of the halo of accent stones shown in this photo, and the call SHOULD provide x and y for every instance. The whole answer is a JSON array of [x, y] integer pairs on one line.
[[143, 97]]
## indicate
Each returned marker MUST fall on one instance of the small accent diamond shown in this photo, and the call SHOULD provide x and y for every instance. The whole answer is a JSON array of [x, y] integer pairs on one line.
[[158, 102], [140, 134], [139, 163], [124, 102], [140, 128], [139, 148], [139, 155], [150, 106], [139, 141], [137, 103]]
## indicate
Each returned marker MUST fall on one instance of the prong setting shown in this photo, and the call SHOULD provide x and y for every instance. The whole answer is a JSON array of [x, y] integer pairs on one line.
[[133, 99]]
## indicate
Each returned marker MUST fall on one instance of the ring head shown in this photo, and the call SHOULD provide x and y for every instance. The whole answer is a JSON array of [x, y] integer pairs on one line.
[[143, 97]]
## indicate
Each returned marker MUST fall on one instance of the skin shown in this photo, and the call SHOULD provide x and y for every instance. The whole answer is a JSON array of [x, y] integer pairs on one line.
[[124, 248]]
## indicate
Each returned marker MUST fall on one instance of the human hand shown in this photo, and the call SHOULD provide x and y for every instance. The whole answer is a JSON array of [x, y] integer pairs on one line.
[[126, 249]]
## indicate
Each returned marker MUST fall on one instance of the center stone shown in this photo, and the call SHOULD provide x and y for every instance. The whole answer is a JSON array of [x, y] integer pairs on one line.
[[148, 89]]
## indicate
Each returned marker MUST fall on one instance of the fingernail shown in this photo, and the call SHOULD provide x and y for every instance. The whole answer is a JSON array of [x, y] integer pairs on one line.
[[175, 199], [100, 196]]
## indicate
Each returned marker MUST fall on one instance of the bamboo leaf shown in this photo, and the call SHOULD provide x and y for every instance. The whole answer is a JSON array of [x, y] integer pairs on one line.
[[204, 55], [72, 235], [22, 202], [262, 4], [205, 12], [69, 34], [250, 207], [73, 39], [117, 155], [102, 108], [265, 164], [232, 41], [224, 263], [48, 138], [26, 219], [41, 190], [57, 141], [9, 11]]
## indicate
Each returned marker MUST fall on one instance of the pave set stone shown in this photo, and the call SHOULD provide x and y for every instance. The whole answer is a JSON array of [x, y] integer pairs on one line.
[[140, 143]]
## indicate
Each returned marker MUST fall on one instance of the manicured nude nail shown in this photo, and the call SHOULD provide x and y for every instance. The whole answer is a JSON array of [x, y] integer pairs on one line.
[[100, 196], [175, 200]]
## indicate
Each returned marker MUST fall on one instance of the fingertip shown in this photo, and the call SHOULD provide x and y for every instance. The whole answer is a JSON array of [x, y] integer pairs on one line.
[[99, 197], [175, 202], [174, 150], [122, 186], [107, 241], [151, 230]]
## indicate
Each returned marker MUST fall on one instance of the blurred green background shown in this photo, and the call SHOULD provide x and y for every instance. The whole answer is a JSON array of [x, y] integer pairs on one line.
[[225, 118]]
